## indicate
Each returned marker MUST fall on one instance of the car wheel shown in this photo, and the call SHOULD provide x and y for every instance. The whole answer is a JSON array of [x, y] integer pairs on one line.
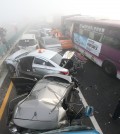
[[109, 68], [11, 68]]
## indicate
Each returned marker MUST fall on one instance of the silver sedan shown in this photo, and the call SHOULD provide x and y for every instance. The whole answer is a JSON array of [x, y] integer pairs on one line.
[[36, 64]]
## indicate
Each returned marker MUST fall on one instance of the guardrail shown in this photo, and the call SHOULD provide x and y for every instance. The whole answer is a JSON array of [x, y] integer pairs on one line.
[[5, 49]]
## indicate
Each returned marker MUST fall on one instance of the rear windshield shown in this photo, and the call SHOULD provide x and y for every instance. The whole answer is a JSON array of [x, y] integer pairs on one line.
[[36, 33], [57, 59], [27, 42], [51, 41]]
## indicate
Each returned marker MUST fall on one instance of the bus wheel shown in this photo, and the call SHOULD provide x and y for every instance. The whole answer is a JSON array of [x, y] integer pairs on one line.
[[109, 68]]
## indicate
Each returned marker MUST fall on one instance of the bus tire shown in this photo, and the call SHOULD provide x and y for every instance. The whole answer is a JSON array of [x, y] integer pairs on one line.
[[109, 68]]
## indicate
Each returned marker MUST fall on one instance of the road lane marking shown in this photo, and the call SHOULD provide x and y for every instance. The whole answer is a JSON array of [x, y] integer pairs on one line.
[[92, 118], [2, 108]]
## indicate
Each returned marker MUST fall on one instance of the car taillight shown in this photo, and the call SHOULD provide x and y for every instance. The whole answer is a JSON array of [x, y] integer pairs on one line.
[[65, 73]]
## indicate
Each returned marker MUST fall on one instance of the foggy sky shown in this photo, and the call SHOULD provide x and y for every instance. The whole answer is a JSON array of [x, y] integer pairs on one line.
[[13, 11]]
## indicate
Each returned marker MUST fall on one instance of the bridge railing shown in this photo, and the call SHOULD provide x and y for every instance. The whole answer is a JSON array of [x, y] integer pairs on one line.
[[4, 48]]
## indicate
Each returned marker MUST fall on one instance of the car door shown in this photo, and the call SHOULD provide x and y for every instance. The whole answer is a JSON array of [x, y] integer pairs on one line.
[[39, 68], [23, 84], [43, 67], [51, 68], [25, 67]]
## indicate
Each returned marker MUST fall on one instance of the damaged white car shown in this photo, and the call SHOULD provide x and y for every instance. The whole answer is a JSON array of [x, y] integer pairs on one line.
[[53, 103], [35, 64], [41, 62]]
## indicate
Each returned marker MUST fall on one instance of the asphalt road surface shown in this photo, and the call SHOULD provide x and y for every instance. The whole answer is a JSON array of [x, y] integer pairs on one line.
[[3, 121], [102, 92], [99, 90]]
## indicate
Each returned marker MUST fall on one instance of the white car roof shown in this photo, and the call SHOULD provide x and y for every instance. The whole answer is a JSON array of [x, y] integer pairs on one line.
[[28, 36], [44, 53], [32, 32]]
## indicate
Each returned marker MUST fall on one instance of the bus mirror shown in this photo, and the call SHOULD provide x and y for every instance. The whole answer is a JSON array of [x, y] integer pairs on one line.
[[89, 111]]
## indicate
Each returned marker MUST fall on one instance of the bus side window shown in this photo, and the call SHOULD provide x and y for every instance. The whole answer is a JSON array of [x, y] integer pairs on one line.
[[76, 28], [116, 43], [97, 37], [107, 40], [86, 33], [91, 35], [111, 41], [81, 31], [102, 35]]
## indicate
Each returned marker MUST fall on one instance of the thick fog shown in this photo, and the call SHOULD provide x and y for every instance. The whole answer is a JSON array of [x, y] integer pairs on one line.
[[14, 11], [17, 13]]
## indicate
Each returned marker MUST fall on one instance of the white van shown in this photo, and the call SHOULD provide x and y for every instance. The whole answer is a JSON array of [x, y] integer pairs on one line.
[[28, 42]]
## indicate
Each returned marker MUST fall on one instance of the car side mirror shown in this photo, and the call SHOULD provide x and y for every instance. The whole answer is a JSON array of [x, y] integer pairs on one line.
[[89, 111]]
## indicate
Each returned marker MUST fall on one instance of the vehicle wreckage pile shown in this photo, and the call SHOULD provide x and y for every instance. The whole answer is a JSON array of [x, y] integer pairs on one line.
[[49, 105]]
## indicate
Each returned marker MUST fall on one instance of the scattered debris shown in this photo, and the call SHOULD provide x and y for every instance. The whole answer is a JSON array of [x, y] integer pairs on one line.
[[95, 87], [107, 123], [96, 112], [109, 105]]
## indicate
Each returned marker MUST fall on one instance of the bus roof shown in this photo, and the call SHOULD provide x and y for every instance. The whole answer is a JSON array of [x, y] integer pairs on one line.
[[93, 20]]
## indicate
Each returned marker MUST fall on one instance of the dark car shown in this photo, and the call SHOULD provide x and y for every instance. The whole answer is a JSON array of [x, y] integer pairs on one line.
[[50, 43]]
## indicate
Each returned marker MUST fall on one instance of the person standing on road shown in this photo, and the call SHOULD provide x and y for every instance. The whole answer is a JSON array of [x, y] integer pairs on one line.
[[116, 114]]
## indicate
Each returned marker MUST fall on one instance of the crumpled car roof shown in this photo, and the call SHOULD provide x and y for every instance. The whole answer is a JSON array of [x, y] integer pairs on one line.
[[43, 104]]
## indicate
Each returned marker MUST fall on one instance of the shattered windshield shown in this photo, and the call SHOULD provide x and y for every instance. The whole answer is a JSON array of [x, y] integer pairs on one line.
[[57, 59], [49, 91]]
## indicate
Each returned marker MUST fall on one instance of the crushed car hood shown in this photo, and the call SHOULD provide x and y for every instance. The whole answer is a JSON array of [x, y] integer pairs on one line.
[[43, 105]]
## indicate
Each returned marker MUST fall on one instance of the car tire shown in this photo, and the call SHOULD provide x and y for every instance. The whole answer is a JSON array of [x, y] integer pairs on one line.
[[11, 68], [109, 68]]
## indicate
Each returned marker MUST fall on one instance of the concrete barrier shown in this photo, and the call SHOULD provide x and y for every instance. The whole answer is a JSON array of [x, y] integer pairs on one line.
[[6, 49]]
